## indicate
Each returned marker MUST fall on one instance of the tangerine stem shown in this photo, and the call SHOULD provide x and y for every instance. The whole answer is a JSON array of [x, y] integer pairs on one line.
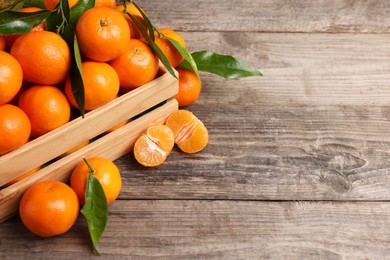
[[91, 170]]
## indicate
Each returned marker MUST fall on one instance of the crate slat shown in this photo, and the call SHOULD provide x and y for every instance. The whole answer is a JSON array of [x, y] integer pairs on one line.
[[110, 146], [53, 144]]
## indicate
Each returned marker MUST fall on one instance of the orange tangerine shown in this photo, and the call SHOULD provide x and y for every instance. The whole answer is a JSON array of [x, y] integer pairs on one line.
[[190, 134], [153, 147]]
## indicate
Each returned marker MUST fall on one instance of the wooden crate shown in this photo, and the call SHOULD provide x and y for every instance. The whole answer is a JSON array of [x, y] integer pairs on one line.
[[46, 149]]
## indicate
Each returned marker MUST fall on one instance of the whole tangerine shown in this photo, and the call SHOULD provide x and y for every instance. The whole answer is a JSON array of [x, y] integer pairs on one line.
[[137, 66], [190, 87], [47, 108], [51, 4], [101, 85], [173, 55], [15, 128], [11, 77], [49, 208], [105, 171], [11, 38], [44, 56], [102, 33]]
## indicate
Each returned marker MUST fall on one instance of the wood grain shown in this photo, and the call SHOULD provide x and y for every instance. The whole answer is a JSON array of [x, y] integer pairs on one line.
[[219, 230], [271, 15], [300, 69], [275, 153]]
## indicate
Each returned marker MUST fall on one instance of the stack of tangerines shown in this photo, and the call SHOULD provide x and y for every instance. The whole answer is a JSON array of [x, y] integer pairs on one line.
[[35, 88]]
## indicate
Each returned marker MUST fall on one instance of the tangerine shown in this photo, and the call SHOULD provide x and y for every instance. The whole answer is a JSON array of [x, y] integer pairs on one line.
[[15, 128], [49, 208], [104, 170], [2, 43], [51, 4], [11, 38], [189, 87], [153, 147], [102, 33], [11, 77], [47, 108], [173, 55], [101, 85], [190, 134], [105, 3], [137, 66], [132, 9], [44, 56]]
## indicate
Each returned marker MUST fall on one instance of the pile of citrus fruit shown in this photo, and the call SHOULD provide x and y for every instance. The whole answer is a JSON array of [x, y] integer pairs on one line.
[[36, 94], [115, 49]]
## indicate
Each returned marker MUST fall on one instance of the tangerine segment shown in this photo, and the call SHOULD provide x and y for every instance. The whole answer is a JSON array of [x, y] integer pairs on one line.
[[190, 134], [49, 208], [153, 147], [15, 128]]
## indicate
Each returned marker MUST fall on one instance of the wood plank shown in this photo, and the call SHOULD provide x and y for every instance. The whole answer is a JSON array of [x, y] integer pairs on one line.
[[275, 153], [271, 15], [219, 230], [300, 69]]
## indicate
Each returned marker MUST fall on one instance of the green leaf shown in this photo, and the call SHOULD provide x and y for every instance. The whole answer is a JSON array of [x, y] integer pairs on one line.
[[148, 22], [35, 3], [81, 7], [186, 55], [76, 77], [95, 210], [222, 65], [163, 59], [12, 22]]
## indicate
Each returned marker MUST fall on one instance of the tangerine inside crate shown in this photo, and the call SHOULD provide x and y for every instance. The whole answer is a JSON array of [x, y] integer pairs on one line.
[[156, 98]]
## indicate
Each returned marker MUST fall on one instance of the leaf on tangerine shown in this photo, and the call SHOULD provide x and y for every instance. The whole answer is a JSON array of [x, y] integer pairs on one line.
[[95, 210]]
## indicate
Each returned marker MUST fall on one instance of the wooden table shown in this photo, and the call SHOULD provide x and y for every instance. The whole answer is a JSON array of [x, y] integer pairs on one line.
[[297, 166]]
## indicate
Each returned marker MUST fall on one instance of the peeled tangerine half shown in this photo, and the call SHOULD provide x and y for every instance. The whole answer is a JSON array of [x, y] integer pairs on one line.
[[190, 134], [153, 147]]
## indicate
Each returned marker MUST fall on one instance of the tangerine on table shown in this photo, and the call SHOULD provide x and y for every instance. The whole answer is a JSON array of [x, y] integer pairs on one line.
[[11, 38], [153, 147], [44, 56], [102, 33], [105, 171], [101, 85], [47, 108], [49, 208], [189, 87], [173, 55], [137, 66], [11, 77], [15, 128], [191, 135]]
